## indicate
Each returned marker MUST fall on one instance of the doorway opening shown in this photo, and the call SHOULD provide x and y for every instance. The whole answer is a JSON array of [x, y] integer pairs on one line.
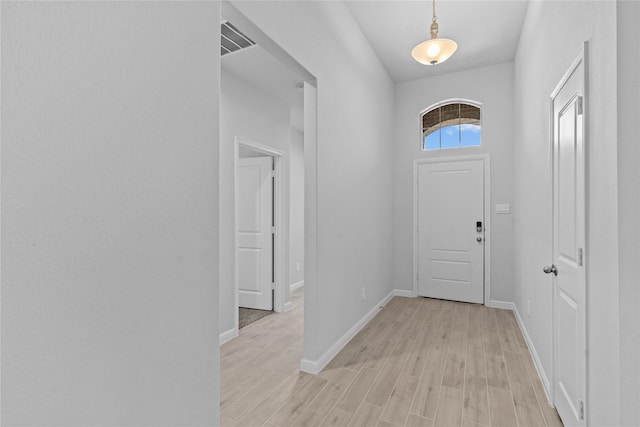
[[268, 110], [259, 227]]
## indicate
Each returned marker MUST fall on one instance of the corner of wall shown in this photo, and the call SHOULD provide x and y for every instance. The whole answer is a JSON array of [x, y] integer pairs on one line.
[[316, 366], [227, 336]]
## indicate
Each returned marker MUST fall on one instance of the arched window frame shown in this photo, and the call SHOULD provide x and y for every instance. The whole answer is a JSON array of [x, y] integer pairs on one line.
[[443, 103]]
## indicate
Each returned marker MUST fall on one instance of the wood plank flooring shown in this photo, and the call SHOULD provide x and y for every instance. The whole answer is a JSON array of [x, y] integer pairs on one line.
[[419, 362]]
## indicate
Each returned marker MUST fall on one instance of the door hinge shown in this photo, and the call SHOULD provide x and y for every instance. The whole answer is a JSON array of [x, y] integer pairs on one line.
[[581, 410], [273, 285], [418, 277], [273, 229], [580, 105], [580, 260]]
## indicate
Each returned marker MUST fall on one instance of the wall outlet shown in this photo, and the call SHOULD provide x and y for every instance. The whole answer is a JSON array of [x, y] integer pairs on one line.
[[528, 308], [364, 293], [298, 266]]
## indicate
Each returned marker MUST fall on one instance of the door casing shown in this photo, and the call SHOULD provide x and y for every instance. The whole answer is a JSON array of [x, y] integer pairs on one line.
[[281, 262], [487, 218]]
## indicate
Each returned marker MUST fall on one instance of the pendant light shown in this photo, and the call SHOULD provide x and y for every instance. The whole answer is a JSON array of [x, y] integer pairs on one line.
[[434, 51]]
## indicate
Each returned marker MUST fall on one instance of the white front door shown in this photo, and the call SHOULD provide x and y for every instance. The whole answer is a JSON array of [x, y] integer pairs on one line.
[[255, 241], [451, 230], [568, 271]]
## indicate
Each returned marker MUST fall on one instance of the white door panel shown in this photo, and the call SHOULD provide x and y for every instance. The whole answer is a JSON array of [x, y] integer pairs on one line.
[[254, 219], [450, 258], [568, 248], [250, 203]]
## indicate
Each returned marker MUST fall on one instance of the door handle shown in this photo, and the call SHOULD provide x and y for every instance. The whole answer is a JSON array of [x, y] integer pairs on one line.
[[478, 239], [553, 269]]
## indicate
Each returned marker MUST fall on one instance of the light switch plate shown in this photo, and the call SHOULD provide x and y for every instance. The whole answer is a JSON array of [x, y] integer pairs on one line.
[[503, 209]]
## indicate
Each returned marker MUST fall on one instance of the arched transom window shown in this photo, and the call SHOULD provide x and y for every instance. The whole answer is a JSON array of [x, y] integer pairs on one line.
[[451, 124]]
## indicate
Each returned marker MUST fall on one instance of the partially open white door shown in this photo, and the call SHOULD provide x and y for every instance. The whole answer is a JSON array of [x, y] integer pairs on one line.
[[568, 269], [451, 230], [255, 241]]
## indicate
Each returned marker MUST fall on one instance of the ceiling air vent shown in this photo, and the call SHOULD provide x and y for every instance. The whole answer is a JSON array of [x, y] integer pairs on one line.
[[232, 39]]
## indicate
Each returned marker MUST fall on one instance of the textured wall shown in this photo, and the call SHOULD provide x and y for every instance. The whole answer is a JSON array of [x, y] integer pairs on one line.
[[109, 213]]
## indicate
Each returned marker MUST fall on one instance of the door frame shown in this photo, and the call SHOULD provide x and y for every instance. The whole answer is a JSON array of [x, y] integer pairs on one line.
[[486, 159], [280, 263], [582, 57]]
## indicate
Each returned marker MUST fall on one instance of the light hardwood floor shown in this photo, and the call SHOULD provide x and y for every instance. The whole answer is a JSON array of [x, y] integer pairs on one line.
[[419, 362]]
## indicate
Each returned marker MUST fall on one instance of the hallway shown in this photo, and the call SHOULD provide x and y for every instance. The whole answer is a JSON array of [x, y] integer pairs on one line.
[[451, 364]]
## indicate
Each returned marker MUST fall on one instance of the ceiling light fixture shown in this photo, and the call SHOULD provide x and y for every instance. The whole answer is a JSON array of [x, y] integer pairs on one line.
[[434, 51]]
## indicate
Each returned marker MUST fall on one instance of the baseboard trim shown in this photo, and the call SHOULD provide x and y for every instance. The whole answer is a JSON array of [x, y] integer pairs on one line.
[[503, 305], [228, 335], [316, 366], [288, 306], [296, 285], [536, 359], [404, 293]]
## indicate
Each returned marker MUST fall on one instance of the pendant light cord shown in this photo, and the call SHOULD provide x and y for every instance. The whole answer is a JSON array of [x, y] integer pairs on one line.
[[434, 25], [434, 17]]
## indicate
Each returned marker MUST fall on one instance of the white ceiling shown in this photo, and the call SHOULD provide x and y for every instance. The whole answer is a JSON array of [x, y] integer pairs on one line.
[[487, 32]]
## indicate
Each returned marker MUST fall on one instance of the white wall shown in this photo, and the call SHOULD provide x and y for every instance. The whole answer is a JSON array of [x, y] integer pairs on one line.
[[493, 87], [551, 39], [248, 113], [109, 213], [296, 219], [628, 16], [355, 119]]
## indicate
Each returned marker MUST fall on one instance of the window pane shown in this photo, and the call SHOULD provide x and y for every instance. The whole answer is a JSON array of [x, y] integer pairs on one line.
[[432, 141], [469, 113], [469, 135], [431, 120], [451, 125], [450, 136]]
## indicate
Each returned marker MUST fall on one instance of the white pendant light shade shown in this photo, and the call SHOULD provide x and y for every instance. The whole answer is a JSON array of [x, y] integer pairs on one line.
[[434, 51]]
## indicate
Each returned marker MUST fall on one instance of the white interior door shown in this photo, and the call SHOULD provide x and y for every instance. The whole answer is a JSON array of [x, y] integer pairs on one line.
[[451, 230], [568, 269], [255, 239]]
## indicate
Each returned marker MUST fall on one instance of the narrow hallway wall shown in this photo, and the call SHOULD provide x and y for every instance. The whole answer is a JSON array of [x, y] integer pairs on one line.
[[628, 15], [296, 220]]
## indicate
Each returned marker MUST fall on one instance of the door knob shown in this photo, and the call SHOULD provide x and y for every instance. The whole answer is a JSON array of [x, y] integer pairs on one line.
[[478, 239], [553, 269]]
